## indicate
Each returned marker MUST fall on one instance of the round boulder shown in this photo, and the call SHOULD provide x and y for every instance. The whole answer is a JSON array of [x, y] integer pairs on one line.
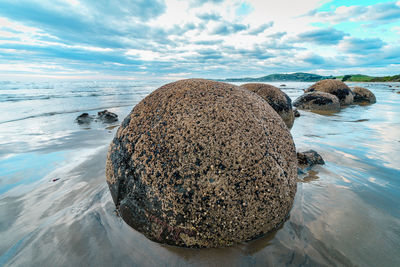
[[317, 101], [335, 87], [363, 95], [277, 99], [199, 163]]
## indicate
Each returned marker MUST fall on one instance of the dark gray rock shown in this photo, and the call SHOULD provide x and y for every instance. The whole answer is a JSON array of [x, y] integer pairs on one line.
[[199, 163], [307, 159], [107, 116], [84, 118]]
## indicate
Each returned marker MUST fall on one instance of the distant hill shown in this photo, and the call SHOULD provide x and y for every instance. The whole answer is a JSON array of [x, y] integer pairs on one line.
[[294, 77], [309, 77]]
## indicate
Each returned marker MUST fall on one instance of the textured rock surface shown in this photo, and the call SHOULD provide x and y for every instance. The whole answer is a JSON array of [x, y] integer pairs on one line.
[[335, 87], [277, 99], [107, 116], [308, 159], [363, 95], [84, 118], [317, 101], [199, 163]]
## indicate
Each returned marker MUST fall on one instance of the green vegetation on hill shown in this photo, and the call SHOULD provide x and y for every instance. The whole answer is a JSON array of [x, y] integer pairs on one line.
[[366, 78], [395, 78], [355, 78]]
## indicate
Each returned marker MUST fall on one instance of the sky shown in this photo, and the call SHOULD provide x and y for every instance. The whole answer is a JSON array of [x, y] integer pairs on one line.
[[174, 39]]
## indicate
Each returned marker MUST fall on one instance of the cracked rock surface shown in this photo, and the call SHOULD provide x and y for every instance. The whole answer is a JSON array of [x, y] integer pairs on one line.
[[199, 163]]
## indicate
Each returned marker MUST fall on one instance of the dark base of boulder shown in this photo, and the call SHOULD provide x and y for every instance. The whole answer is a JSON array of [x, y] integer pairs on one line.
[[296, 113], [317, 101]]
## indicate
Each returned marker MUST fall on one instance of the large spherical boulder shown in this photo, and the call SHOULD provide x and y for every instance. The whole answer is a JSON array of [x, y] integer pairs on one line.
[[199, 163], [363, 95], [277, 99], [317, 101], [335, 87]]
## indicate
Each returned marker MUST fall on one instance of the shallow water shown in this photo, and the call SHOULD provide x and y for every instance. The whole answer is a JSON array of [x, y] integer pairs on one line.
[[55, 207]]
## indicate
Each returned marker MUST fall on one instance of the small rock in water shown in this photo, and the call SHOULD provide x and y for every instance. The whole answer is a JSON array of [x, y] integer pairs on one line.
[[107, 116], [307, 159], [296, 113], [282, 85], [398, 92], [84, 118]]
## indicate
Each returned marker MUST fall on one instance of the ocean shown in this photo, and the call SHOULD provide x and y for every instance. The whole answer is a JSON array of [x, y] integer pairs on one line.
[[56, 209]]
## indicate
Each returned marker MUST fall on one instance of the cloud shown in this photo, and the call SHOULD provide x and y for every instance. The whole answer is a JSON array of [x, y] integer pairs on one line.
[[227, 28], [209, 16], [261, 28], [98, 21], [277, 35], [209, 42], [197, 3], [381, 12], [360, 46], [313, 59], [196, 38], [325, 36]]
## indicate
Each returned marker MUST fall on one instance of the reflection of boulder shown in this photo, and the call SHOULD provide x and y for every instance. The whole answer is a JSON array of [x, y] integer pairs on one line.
[[107, 116], [277, 99], [84, 118], [199, 163], [363, 95], [335, 87], [307, 159], [317, 101]]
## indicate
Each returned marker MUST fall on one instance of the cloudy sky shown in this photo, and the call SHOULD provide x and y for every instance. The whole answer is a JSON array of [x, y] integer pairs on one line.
[[136, 39]]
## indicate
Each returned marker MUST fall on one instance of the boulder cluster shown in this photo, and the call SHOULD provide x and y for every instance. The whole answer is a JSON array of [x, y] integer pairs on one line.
[[199, 163], [332, 95]]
